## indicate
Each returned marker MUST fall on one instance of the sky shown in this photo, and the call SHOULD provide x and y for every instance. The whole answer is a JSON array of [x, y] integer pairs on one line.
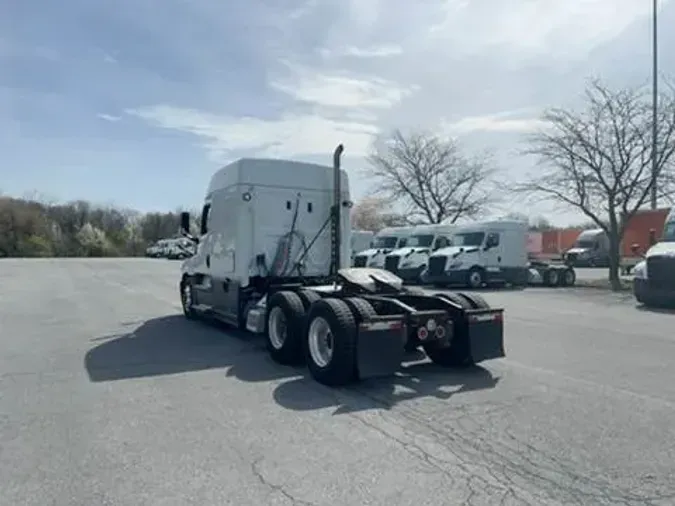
[[137, 103]]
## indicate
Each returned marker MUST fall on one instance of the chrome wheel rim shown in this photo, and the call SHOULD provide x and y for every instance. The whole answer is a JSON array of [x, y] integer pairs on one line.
[[277, 328], [320, 340]]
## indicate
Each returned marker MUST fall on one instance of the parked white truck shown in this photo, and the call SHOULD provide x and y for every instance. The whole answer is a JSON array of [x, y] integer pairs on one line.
[[272, 259], [386, 240], [482, 253], [410, 261], [177, 248], [654, 276], [360, 240]]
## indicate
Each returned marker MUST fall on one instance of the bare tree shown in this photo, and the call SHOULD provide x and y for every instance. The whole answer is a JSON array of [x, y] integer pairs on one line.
[[375, 214], [598, 160], [430, 177]]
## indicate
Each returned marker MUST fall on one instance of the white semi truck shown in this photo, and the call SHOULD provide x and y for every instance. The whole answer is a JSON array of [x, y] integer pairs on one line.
[[385, 241], [177, 248], [410, 261], [654, 276], [360, 241], [271, 260], [482, 253]]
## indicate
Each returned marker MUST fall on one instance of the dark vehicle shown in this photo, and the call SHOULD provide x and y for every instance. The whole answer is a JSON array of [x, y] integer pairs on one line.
[[591, 249]]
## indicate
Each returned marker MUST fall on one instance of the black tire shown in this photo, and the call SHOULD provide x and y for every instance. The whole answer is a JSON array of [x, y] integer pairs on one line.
[[308, 297], [456, 298], [341, 369], [569, 277], [476, 301], [458, 353], [475, 278], [285, 344], [360, 308], [552, 277], [187, 299]]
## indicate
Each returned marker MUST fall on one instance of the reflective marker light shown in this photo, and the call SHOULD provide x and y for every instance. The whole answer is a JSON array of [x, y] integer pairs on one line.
[[246, 196]]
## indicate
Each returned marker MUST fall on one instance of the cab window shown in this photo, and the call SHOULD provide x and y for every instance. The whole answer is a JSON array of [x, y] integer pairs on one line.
[[441, 242], [492, 240]]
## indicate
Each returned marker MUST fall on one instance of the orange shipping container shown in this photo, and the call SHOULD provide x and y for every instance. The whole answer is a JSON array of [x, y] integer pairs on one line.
[[637, 231], [534, 243], [555, 242]]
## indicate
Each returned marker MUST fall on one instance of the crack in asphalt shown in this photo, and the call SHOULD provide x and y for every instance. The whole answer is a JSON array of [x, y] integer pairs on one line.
[[505, 465], [280, 489]]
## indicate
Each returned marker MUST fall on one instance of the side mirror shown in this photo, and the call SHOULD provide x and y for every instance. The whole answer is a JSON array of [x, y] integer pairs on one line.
[[185, 227], [185, 223]]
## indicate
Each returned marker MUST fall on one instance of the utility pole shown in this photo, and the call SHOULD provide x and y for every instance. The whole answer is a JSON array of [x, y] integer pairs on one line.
[[655, 94]]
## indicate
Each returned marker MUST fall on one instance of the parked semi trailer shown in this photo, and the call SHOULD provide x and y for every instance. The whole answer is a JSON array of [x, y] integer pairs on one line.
[[271, 260], [654, 275]]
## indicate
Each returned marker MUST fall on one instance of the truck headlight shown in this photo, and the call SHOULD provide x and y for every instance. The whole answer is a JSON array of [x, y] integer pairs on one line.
[[640, 270], [455, 264]]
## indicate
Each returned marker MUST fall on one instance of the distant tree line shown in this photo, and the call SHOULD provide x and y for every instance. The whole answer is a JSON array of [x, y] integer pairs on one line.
[[31, 228]]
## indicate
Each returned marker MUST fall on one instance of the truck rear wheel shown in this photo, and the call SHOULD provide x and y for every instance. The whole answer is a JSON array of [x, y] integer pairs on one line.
[[308, 297], [331, 337], [458, 353], [568, 278], [475, 301], [552, 277], [284, 326], [361, 309]]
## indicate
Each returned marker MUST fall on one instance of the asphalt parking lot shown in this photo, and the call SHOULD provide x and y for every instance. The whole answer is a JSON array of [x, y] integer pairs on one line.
[[109, 397]]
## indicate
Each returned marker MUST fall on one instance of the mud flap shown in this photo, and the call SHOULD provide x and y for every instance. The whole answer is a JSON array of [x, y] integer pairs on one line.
[[380, 347], [485, 334]]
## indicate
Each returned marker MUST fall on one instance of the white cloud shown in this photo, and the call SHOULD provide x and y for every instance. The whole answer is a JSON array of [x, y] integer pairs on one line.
[[527, 28], [383, 51], [339, 89], [109, 117], [289, 136], [499, 122], [343, 108], [390, 64]]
